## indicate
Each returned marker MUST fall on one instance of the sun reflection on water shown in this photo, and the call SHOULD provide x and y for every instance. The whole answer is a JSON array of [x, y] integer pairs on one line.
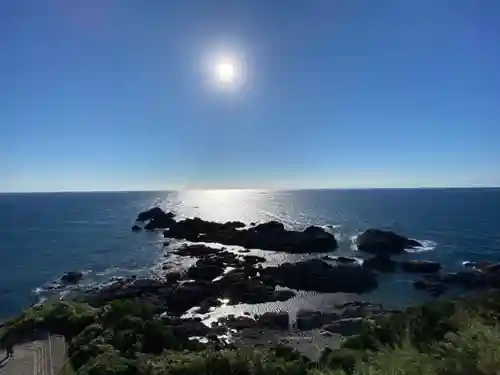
[[222, 205]]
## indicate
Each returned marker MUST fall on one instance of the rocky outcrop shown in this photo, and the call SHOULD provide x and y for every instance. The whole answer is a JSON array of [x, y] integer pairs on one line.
[[485, 267], [319, 276], [342, 260], [197, 250], [345, 327], [274, 320], [382, 242], [267, 236], [420, 266], [72, 277], [150, 214], [311, 319]]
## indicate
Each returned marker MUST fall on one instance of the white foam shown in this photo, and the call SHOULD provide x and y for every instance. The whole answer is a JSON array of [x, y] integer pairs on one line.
[[427, 245], [353, 239]]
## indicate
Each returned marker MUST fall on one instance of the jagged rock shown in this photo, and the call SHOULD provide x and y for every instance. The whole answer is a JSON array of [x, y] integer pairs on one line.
[[380, 263], [314, 274], [486, 267], [205, 272], [274, 320], [268, 236], [197, 250], [186, 327], [136, 228], [153, 213], [270, 226], [420, 266], [188, 295], [382, 242], [345, 327], [341, 260], [307, 320], [239, 323], [72, 277], [157, 218], [253, 259]]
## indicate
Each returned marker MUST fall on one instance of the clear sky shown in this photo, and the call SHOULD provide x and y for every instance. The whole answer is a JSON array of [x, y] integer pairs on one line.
[[123, 94]]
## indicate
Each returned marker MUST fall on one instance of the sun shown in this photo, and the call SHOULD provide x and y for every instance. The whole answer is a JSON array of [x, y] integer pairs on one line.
[[225, 72]]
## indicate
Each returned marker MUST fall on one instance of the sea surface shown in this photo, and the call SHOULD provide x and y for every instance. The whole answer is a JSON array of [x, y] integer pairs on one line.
[[43, 235]]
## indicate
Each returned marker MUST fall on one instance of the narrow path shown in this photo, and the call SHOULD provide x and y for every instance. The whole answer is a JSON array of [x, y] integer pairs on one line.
[[39, 357]]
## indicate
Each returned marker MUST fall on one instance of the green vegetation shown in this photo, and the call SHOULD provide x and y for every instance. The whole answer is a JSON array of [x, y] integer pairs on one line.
[[444, 337]]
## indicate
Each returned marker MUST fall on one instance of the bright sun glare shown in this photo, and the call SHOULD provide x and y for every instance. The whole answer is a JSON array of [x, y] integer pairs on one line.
[[225, 72]]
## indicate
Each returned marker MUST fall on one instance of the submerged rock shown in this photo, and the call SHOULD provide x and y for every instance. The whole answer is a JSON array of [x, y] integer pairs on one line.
[[432, 285], [420, 266], [72, 277], [380, 263], [319, 276], [382, 242]]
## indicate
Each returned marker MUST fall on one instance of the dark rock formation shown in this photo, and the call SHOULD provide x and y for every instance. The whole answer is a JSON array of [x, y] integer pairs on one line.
[[268, 236], [186, 327], [319, 276], [173, 277], [486, 267], [274, 320], [238, 323], [345, 327], [155, 214], [197, 250], [72, 277], [420, 266], [308, 319], [204, 271], [341, 260], [381, 242], [380, 263], [136, 228]]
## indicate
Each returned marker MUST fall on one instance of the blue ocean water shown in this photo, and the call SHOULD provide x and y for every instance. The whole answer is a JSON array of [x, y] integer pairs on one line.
[[43, 235]]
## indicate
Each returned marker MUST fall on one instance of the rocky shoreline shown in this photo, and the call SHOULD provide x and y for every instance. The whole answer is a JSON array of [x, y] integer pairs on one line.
[[223, 277]]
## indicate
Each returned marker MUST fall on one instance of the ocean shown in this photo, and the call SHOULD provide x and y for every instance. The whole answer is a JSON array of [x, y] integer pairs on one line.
[[43, 235]]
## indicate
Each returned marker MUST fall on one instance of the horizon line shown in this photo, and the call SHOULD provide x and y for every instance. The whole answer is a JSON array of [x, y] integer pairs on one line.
[[250, 189]]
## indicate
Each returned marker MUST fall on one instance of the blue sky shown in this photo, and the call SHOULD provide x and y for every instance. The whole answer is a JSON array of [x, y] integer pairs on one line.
[[114, 94]]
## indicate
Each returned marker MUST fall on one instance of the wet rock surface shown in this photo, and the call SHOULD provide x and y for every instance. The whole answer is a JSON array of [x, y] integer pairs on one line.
[[267, 236], [319, 276], [72, 277], [238, 276], [382, 242]]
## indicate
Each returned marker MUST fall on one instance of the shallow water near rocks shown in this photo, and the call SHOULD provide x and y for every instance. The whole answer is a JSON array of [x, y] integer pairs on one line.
[[44, 235]]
